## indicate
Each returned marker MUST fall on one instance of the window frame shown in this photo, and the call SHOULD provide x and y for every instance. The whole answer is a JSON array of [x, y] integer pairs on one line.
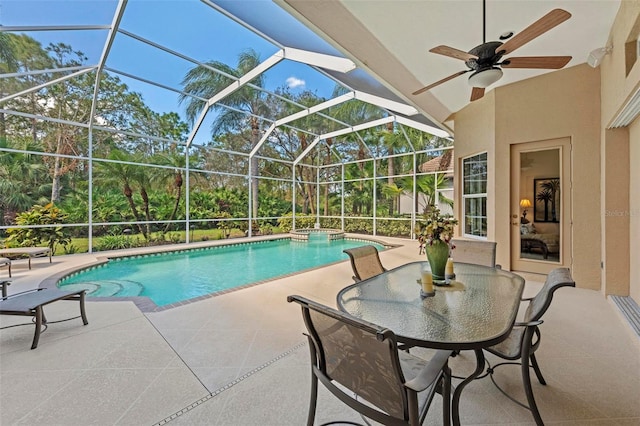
[[476, 196]]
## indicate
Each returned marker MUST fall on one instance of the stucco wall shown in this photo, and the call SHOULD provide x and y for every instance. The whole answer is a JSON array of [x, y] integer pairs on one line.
[[634, 210], [621, 149], [474, 137], [615, 215], [565, 103]]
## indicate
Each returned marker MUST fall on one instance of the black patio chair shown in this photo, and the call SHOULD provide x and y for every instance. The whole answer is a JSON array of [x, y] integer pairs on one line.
[[525, 338], [365, 262], [361, 365]]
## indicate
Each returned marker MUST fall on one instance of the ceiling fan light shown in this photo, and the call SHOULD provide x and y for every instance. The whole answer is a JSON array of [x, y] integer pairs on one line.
[[485, 78]]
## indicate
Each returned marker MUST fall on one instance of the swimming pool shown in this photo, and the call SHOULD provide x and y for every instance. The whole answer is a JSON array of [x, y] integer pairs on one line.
[[172, 277]]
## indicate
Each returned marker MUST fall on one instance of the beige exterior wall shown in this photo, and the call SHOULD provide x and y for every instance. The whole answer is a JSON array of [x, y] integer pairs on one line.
[[478, 136], [564, 103], [615, 205], [621, 151], [634, 210], [579, 103]]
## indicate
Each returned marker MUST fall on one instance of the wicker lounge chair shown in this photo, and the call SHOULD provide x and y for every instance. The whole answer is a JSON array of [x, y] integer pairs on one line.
[[365, 262], [6, 262], [27, 251], [31, 303]]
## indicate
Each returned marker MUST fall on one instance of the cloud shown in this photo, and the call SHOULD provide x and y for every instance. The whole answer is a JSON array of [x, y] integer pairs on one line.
[[294, 82]]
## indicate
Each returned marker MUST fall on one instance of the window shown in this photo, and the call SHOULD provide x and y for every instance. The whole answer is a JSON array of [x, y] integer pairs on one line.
[[474, 195]]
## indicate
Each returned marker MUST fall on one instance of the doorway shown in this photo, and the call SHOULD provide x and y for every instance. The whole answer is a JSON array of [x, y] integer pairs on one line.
[[541, 205]]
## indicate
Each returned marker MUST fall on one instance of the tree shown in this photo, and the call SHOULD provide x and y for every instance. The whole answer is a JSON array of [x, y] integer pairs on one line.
[[428, 185], [392, 140], [116, 173], [21, 53], [203, 82], [69, 100], [8, 63], [553, 186], [545, 196], [21, 179], [178, 160]]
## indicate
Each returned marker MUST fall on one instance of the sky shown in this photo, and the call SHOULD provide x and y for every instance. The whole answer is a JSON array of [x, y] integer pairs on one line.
[[189, 27]]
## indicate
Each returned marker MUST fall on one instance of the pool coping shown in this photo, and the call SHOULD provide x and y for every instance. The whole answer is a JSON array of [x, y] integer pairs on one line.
[[145, 304]]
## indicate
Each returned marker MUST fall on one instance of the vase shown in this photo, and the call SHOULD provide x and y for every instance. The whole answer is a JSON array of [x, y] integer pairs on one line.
[[437, 255]]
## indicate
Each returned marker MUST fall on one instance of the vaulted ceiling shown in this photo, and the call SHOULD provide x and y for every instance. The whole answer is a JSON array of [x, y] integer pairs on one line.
[[391, 39]]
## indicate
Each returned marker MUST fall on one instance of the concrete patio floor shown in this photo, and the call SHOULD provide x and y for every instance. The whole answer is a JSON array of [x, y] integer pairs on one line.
[[240, 359]]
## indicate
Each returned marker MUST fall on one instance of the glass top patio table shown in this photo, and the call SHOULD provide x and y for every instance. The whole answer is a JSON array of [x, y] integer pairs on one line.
[[475, 311]]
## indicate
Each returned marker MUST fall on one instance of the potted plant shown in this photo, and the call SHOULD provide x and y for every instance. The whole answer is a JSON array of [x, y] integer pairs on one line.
[[436, 234]]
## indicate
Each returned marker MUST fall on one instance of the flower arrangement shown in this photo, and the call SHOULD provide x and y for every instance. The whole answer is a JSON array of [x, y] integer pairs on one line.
[[438, 227]]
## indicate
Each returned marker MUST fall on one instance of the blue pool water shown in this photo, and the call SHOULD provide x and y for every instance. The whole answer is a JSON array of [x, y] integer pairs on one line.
[[176, 276]]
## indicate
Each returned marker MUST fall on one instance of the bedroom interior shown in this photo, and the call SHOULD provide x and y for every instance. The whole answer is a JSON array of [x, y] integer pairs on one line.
[[540, 198]]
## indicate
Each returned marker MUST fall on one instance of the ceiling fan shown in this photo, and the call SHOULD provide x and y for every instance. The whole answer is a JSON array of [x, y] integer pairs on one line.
[[485, 60]]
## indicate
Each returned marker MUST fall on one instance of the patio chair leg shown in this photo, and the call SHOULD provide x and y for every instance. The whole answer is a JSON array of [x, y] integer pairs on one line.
[[536, 368], [526, 379], [36, 335], [446, 397], [313, 400], [83, 313]]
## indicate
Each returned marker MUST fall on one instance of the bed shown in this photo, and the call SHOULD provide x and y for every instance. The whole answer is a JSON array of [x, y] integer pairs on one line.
[[530, 240]]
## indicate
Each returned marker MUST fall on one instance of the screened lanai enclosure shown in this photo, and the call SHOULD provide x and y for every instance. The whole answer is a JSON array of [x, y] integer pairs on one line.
[[129, 123]]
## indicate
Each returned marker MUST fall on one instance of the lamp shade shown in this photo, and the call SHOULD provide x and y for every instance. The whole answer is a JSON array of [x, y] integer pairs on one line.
[[485, 78], [525, 203]]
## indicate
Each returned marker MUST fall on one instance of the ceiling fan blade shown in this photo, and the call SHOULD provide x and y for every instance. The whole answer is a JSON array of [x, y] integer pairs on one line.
[[477, 93], [431, 86], [453, 53], [546, 62], [541, 26]]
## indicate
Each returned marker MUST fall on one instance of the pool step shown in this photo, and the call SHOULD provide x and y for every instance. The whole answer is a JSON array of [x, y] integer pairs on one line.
[[106, 288]]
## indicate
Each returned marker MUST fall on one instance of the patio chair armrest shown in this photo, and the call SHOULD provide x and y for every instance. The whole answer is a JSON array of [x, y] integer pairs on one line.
[[23, 292], [430, 373], [528, 324]]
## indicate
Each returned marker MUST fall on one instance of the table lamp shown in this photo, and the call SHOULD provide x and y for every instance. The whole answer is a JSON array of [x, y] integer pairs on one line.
[[525, 203]]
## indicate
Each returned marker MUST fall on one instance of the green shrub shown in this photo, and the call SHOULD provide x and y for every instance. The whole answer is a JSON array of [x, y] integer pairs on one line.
[[302, 221], [394, 228], [358, 226], [330, 223], [30, 237], [71, 249], [116, 242]]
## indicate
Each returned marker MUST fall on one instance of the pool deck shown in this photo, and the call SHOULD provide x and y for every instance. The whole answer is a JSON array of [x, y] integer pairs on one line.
[[240, 358]]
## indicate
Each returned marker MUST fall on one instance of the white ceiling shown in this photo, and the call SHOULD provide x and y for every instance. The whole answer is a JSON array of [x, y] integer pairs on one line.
[[392, 39]]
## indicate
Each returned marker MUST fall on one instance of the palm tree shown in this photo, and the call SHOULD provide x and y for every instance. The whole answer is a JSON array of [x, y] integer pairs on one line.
[[392, 140], [21, 179], [428, 185], [109, 173], [204, 82], [179, 161], [553, 185], [545, 196]]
